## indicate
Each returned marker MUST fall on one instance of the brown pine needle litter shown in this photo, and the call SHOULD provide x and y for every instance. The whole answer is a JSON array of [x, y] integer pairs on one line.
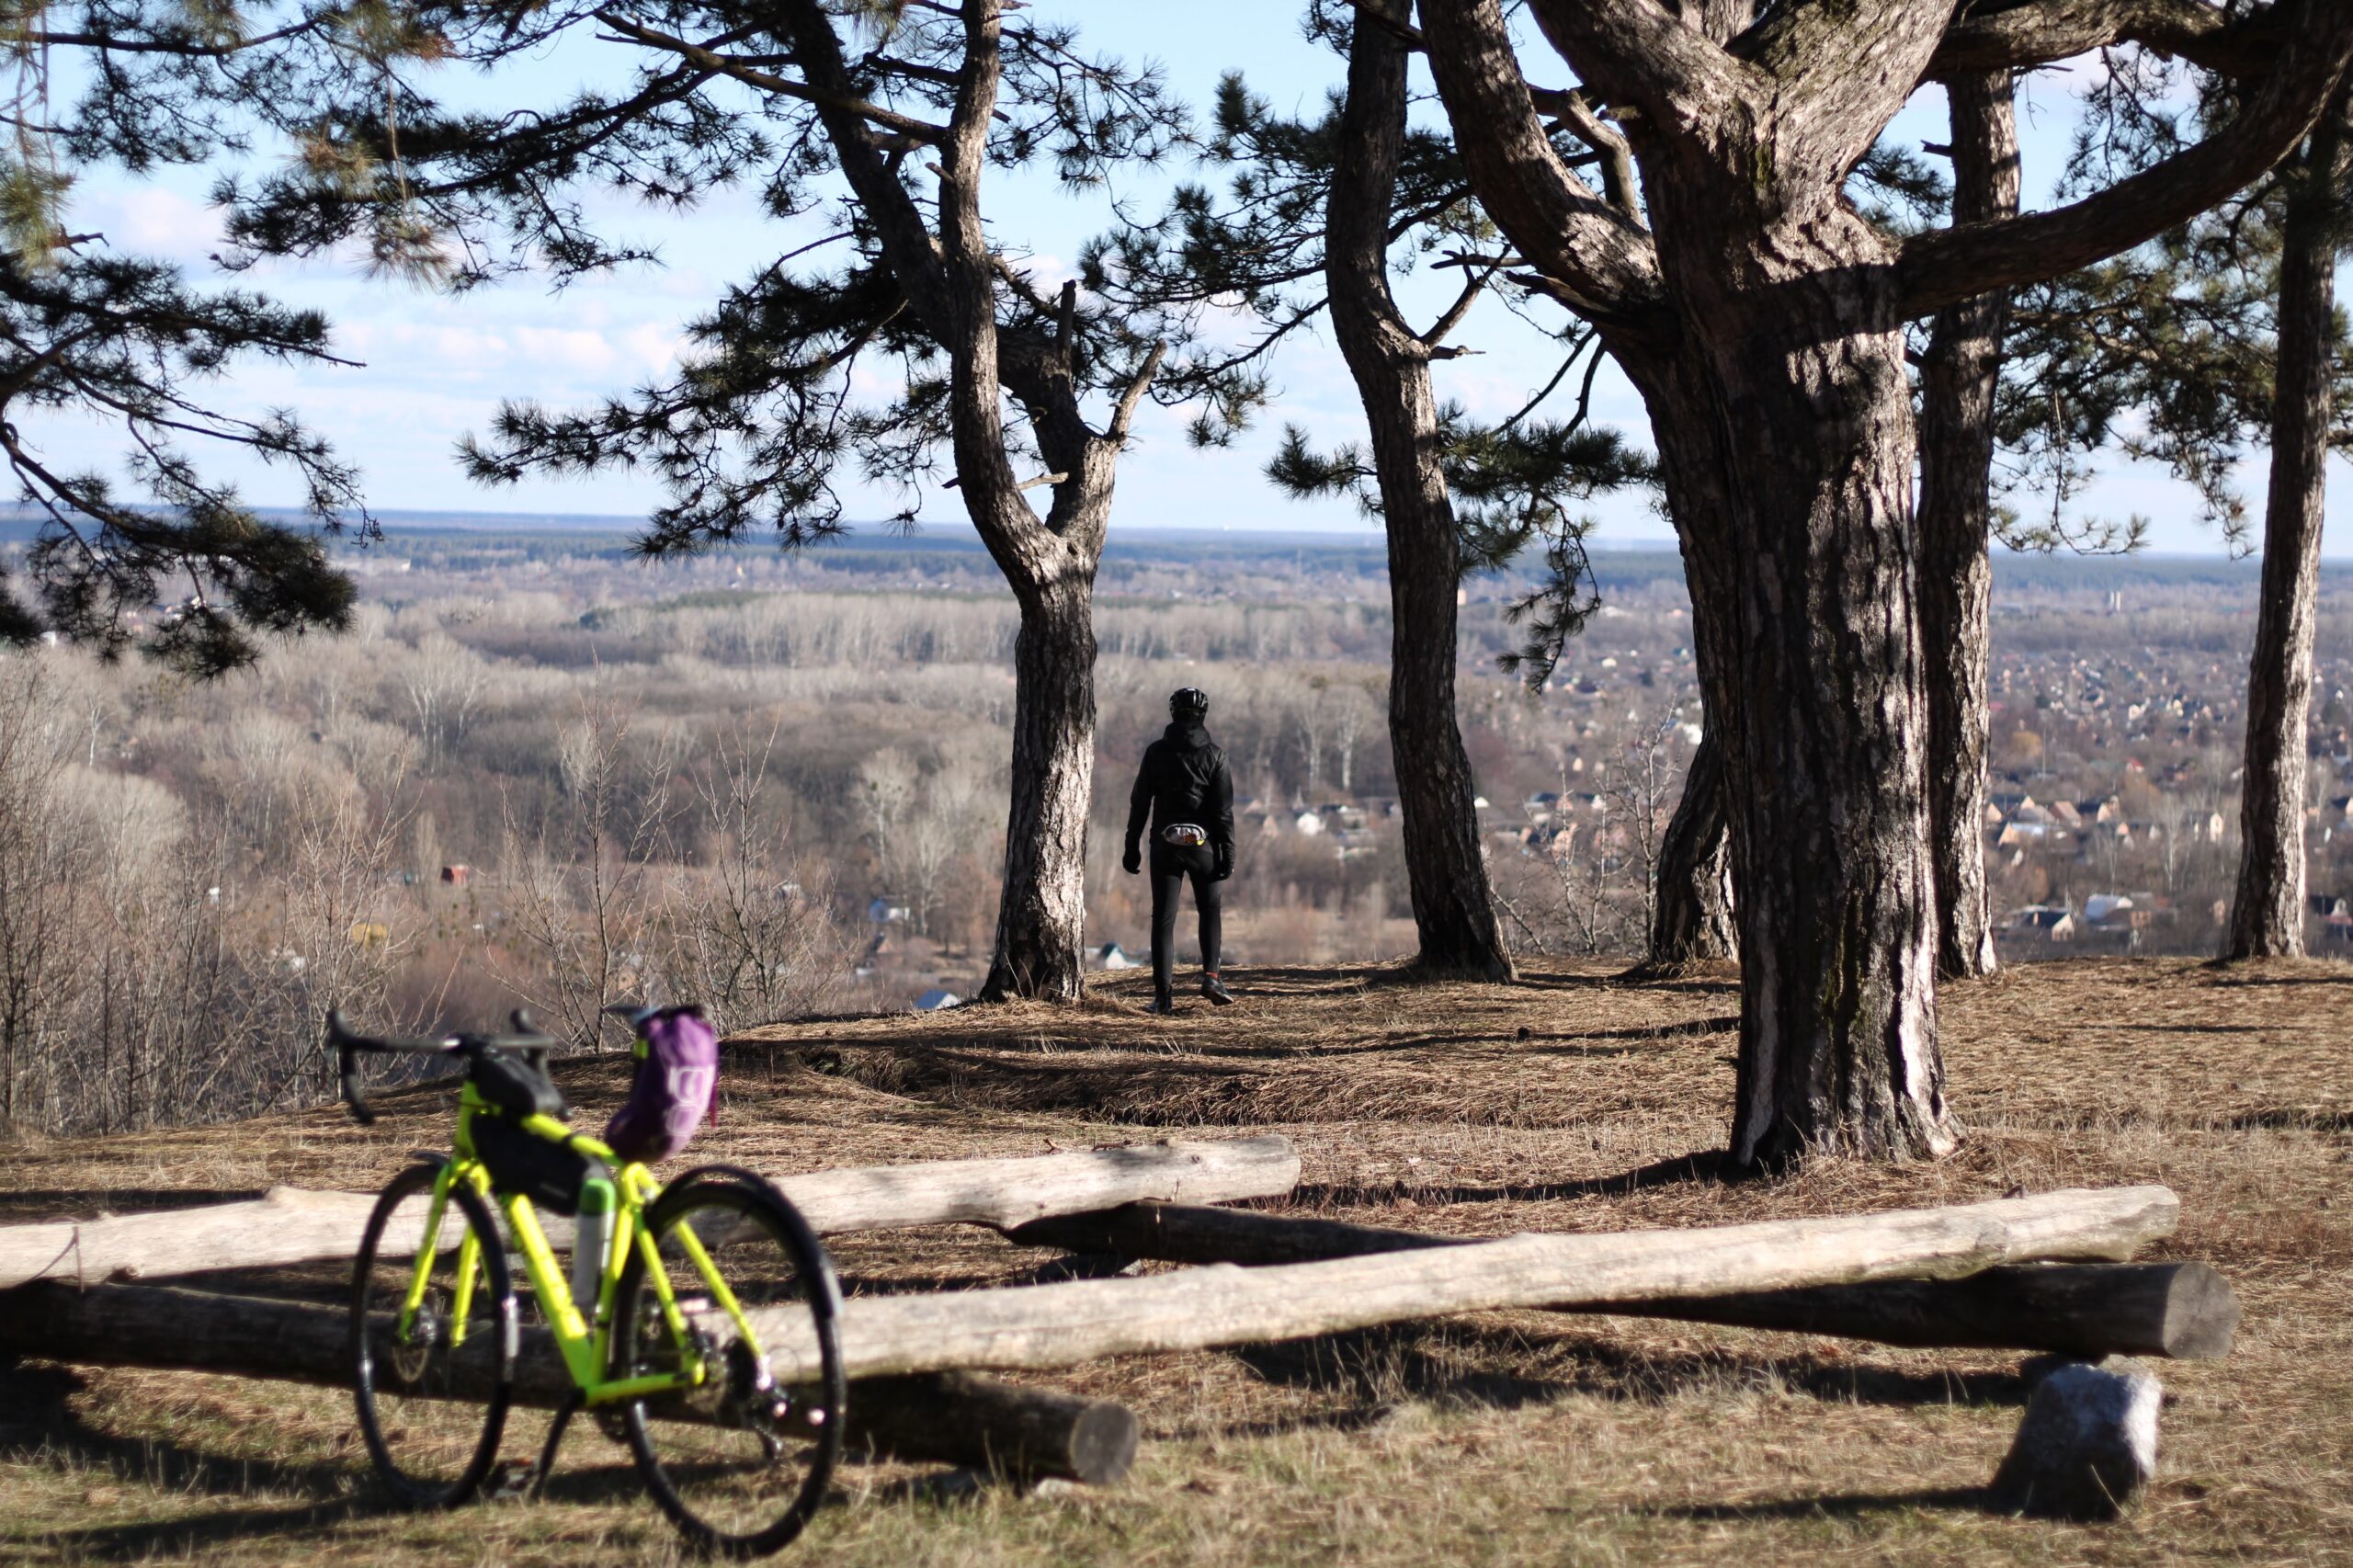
[[1572, 1102]]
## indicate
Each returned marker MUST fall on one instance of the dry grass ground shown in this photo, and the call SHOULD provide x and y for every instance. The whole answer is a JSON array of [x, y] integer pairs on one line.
[[1570, 1102]]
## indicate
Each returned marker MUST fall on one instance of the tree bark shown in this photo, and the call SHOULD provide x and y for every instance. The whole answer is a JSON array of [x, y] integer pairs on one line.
[[1694, 917], [1697, 913], [2181, 1310], [942, 1419], [1042, 913], [2268, 914], [1819, 688], [1957, 381], [291, 1226], [1454, 915], [1692, 921], [1838, 1014]]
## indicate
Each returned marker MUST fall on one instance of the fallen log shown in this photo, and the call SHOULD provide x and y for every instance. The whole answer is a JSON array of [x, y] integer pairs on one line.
[[2186, 1311], [986, 1425], [289, 1226], [1058, 1325], [954, 1419]]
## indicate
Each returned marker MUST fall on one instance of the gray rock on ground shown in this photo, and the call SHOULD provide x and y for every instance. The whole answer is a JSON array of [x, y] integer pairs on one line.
[[2088, 1445]]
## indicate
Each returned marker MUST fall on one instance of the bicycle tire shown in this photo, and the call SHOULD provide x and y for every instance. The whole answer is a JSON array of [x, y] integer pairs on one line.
[[713, 1457], [415, 1402]]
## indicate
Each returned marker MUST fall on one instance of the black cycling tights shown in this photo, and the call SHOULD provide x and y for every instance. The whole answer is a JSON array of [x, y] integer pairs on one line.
[[1171, 865]]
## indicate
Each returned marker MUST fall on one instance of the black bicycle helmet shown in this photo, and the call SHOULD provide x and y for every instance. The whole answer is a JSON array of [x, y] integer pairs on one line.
[[1192, 702]]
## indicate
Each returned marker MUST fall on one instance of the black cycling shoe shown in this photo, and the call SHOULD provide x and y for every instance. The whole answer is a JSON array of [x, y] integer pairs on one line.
[[1214, 989], [1162, 1005]]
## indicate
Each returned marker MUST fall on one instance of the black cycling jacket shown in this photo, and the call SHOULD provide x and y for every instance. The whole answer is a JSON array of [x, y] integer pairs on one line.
[[1184, 779]]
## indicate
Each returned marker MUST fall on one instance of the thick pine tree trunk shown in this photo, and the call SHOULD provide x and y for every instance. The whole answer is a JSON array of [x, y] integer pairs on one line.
[[1789, 306], [1454, 915], [1050, 562], [1801, 555], [1042, 912], [1957, 381], [1453, 912], [1695, 918], [2267, 915], [1692, 919], [1828, 778]]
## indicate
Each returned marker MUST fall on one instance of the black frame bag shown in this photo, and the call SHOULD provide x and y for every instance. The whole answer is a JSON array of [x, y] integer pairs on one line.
[[548, 1174]]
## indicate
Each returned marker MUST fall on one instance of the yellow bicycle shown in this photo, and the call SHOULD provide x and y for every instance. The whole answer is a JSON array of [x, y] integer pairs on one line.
[[679, 1302]]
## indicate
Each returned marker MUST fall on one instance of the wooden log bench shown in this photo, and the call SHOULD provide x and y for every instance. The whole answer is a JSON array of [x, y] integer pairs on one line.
[[1041, 1326], [2183, 1311], [292, 1226], [1023, 1433], [911, 1356]]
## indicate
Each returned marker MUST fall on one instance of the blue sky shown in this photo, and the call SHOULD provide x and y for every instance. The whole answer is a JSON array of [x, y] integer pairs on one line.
[[434, 367]]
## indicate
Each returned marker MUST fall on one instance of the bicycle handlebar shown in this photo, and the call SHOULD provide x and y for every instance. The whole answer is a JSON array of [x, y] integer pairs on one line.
[[348, 1045]]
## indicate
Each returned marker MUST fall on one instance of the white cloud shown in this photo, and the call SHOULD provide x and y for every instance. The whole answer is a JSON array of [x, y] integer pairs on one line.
[[655, 348], [576, 348], [150, 220]]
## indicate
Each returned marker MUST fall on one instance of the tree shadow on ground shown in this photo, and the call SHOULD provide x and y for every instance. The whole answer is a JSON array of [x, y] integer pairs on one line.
[[1683, 984], [39, 1400], [1711, 1165], [1501, 1369], [40, 1426], [1833, 1505], [1309, 979], [81, 1202], [2219, 972], [1025, 1053], [2289, 1121]]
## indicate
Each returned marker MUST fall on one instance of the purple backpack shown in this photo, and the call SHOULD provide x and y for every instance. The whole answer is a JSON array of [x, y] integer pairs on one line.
[[675, 1078]]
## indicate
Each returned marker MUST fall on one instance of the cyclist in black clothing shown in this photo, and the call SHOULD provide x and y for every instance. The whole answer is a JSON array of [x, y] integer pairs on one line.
[[1184, 790]]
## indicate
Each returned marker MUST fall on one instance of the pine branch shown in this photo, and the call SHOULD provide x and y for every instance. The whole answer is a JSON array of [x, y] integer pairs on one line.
[[768, 82]]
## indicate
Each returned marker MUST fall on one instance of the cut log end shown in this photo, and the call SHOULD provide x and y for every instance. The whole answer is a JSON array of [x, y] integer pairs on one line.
[[2200, 1317], [1017, 1433]]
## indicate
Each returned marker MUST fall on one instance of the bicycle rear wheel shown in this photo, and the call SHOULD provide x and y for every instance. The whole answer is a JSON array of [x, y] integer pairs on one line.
[[738, 1463], [433, 1398]]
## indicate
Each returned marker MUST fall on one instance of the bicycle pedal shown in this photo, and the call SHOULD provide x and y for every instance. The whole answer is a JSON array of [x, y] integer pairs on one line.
[[510, 1480]]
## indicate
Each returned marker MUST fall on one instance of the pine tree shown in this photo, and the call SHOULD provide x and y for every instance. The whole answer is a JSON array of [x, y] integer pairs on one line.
[[1314, 217], [1761, 315], [174, 565], [2187, 352], [874, 126]]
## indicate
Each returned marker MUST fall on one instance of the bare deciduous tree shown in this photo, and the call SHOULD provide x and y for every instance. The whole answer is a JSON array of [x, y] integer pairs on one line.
[[747, 936], [581, 901]]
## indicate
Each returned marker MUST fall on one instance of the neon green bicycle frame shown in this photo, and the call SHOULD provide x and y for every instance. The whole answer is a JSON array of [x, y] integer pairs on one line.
[[584, 1340]]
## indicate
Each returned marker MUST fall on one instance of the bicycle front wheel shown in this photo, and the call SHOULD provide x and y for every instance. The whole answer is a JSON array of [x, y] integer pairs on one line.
[[739, 1462], [433, 1357]]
